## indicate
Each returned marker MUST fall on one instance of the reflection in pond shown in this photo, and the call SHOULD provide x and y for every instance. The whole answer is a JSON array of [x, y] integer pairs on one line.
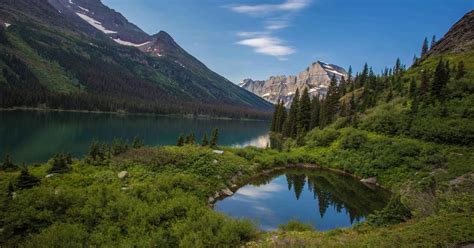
[[325, 199]]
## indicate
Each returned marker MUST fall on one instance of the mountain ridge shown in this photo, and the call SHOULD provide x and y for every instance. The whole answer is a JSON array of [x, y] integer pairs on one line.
[[90, 70]]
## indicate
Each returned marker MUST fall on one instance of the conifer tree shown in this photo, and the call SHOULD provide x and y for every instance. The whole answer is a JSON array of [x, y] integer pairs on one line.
[[281, 117], [7, 164], [181, 140], [274, 118], [205, 140], [440, 80], [61, 163], [331, 105], [461, 71], [289, 129], [191, 139], [137, 142], [315, 110], [214, 137], [398, 67], [412, 90], [424, 48], [433, 42], [352, 106], [25, 180], [304, 112]]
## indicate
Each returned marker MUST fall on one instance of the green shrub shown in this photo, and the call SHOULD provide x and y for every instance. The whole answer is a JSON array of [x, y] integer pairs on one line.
[[295, 226], [354, 139], [322, 137], [61, 163], [7, 164], [25, 180], [394, 213]]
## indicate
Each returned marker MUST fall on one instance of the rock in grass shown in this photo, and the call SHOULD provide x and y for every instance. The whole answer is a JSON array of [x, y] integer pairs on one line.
[[370, 180], [227, 192], [218, 152], [122, 175]]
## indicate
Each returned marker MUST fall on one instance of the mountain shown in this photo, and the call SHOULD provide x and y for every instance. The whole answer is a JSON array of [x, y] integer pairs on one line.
[[316, 78], [459, 39], [80, 54]]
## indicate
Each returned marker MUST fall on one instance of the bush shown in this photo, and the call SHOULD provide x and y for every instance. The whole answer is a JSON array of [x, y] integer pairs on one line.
[[395, 212], [354, 139], [25, 180], [61, 163], [7, 164], [295, 226], [323, 137], [118, 147]]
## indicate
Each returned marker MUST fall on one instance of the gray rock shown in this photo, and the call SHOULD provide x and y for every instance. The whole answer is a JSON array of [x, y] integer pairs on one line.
[[316, 78], [211, 199], [122, 175], [50, 175], [218, 152], [215, 162], [370, 180], [227, 192]]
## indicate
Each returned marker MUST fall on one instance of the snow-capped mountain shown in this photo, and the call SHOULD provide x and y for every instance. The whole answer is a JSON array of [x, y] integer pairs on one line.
[[316, 78]]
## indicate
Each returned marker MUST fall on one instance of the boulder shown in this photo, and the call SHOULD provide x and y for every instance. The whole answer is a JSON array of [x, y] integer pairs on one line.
[[215, 162], [218, 152], [211, 199], [227, 192], [370, 180], [50, 175], [122, 175]]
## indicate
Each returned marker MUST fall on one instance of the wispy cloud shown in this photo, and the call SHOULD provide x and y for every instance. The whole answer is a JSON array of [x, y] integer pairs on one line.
[[276, 17], [262, 9], [268, 45]]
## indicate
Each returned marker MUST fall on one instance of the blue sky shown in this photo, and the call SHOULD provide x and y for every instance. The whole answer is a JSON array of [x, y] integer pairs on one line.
[[256, 39]]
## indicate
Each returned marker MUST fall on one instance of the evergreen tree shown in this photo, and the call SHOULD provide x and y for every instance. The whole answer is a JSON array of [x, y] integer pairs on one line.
[[331, 104], [61, 163], [398, 67], [137, 142], [343, 86], [281, 117], [352, 106], [7, 164], [315, 110], [10, 190], [205, 140], [364, 75], [433, 42], [440, 81], [214, 137], [25, 180], [191, 139], [275, 117], [349, 74], [304, 112], [290, 126], [412, 90], [424, 48], [181, 140], [461, 71], [415, 60]]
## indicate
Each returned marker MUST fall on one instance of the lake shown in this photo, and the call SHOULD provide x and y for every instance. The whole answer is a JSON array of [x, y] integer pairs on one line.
[[325, 199], [35, 136]]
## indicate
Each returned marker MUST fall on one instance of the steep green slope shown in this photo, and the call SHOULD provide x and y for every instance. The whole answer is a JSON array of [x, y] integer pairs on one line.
[[76, 70]]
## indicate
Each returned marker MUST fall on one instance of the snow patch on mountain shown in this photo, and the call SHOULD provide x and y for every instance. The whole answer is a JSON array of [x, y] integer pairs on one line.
[[7, 24], [96, 24], [84, 9], [127, 43]]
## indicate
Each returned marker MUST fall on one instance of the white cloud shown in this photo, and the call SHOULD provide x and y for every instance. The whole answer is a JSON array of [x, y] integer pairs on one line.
[[268, 45], [261, 9]]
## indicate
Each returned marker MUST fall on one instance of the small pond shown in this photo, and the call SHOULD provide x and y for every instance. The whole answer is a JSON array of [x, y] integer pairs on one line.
[[325, 199]]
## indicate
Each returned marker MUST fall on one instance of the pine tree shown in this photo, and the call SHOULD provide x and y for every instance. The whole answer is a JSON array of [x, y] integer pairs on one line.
[[349, 74], [415, 60], [137, 142], [304, 112], [7, 164], [424, 48], [25, 180], [315, 110], [275, 117], [461, 70], [331, 104], [191, 139], [61, 163], [205, 140], [440, 80], [289, 129], [364, 75], [433, 42], [281, 117], [214, 137], [352, 106], [181, 140], [412, 90]]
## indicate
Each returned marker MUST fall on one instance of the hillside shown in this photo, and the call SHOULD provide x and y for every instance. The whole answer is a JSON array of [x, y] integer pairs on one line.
[[52, 58]]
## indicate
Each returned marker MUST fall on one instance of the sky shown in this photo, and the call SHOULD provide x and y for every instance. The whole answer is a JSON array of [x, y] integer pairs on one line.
[[261, 38]]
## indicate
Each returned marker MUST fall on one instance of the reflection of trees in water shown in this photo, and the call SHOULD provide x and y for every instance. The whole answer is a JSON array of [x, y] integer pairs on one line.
[[333, 190]]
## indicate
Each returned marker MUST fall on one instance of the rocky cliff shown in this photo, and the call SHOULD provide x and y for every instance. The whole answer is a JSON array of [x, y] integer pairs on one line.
[[316, 78]]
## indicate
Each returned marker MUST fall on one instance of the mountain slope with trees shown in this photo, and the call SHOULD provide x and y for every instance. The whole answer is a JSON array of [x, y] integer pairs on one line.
[[50, 60]]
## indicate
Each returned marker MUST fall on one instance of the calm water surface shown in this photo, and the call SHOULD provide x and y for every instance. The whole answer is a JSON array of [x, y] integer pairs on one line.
[[34, 137], [327, 200]]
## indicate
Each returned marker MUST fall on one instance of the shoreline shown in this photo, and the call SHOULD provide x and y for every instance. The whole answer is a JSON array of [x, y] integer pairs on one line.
[[235, 185], [187, 116]]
